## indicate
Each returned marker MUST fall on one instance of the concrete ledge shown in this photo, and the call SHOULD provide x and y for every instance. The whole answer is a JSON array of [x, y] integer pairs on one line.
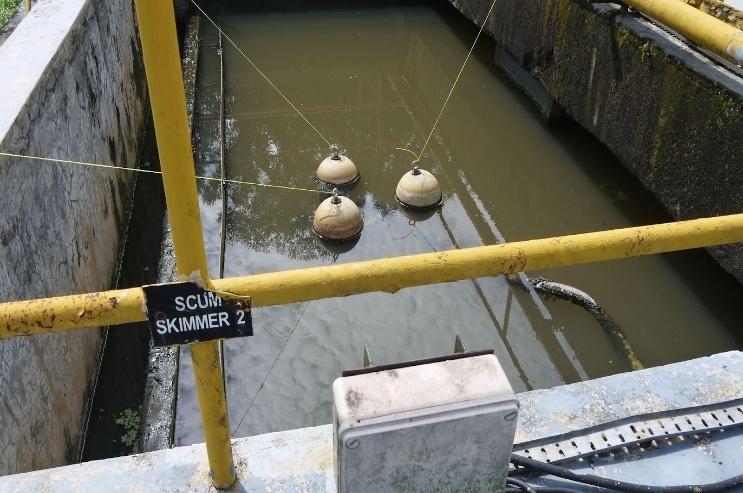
[[291, 461], [72, 88], [697, 382], [302, 460]]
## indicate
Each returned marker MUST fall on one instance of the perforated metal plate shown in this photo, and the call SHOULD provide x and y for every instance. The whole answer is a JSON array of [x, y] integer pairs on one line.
[[633, 432]]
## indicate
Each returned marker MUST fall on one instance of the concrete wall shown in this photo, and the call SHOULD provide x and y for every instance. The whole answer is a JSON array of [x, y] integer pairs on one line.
[[673, 117], [71, 86]]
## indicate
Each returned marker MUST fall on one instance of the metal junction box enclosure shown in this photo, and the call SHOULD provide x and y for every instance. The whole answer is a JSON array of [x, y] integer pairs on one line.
[[438, 426]]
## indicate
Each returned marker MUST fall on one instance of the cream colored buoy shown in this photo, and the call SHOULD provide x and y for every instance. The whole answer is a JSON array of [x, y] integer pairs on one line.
[[337, 169], [418, 189], [337, 218]]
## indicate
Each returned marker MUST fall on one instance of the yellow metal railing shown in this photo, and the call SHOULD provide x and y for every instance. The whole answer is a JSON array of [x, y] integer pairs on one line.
[[162, 64], [701, 28], [726, 12], [387, 275]]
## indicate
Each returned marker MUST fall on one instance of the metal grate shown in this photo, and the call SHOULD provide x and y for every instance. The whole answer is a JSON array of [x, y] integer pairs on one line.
[[633, 432]]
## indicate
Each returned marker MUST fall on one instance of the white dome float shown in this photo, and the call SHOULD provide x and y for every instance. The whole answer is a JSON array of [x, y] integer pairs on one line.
[[337, 170], [337, 218], [418, 189]]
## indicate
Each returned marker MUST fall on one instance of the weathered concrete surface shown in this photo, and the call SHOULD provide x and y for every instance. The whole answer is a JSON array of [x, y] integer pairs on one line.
[[292, 461], [72, 88], [673, 117], [302, 460]]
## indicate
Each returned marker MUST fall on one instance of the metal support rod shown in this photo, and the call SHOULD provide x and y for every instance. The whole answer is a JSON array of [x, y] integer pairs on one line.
[[165, 82], [222, 167], [223, 189], [701, 28], [26, 6], [387, 275]]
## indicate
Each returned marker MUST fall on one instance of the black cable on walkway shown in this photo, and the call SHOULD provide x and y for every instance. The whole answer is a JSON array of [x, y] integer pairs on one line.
[[615, 484]]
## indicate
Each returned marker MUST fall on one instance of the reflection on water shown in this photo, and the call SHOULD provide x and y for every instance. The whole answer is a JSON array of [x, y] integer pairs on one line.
[[373, 79]]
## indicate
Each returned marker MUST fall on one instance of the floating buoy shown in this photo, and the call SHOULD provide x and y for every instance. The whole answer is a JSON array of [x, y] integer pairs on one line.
[[337, 218], [418, 189], [337, 169]]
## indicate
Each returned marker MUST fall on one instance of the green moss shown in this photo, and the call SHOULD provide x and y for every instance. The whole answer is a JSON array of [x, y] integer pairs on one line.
[[129, 420], [563, 13], [644, 52], [671, 101], [590, 23], [546, 18], [730, 106], [621, 36], [7, 7]]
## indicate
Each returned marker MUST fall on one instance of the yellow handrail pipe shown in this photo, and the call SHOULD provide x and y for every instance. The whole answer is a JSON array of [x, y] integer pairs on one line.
[[726, 12], [701, 28], [386, 275], [162, 62]]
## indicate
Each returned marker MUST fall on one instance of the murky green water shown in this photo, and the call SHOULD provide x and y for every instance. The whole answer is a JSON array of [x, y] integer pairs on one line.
[[373, 79]]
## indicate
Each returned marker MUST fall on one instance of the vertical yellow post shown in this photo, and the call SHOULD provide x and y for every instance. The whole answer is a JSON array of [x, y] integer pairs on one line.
[[165, 81], [26, 6]]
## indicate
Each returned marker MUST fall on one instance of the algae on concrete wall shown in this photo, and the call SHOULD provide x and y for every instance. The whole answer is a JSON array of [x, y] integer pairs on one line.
[[671, 115]]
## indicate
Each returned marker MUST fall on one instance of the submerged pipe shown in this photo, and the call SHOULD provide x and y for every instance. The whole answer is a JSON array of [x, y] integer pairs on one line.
[[607, 322], [701, 28], [387, 275]]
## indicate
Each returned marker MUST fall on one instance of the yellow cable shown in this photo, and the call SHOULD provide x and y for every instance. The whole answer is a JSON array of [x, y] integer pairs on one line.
[[411, 152], [454, 85], [261, 73], [135, 170]]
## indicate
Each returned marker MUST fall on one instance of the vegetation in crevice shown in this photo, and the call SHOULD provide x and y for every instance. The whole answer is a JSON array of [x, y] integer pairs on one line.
[[129, 420], [7, 7]]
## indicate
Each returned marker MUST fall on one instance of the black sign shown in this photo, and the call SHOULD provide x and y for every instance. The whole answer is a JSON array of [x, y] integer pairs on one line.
[[183, 313]]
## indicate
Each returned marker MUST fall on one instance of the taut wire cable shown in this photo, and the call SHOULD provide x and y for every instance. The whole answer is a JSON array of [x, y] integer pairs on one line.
[[136, 170], [451, 91], [257, 69]]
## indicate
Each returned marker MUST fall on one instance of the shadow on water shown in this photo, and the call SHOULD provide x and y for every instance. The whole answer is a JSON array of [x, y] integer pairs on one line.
[[113, 421], [716, 289]]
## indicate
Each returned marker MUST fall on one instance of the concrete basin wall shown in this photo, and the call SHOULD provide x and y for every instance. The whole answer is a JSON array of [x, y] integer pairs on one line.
[[672, 116], [72, 86]]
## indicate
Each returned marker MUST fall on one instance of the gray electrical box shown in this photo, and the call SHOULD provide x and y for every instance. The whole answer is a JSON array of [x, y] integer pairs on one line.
[[445, 425]]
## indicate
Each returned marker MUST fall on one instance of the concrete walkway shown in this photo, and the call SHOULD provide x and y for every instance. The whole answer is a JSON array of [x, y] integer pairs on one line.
[[302, 460]]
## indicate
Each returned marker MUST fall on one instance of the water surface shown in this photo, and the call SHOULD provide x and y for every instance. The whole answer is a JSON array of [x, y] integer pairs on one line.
[[373, 79]]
